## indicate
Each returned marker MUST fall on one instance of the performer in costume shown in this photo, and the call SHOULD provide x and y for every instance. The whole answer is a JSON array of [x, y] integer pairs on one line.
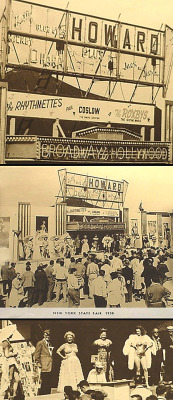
[[71, 371], [103, 348], [10, 369], [138, 347], [85, 245]]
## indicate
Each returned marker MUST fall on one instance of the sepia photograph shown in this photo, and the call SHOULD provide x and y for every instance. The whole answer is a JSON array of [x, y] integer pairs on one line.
[[86, 82], [86, 237], [86, 360]]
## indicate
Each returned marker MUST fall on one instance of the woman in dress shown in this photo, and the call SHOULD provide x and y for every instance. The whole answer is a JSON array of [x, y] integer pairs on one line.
[[85, 245], [103, 348], [17, 293], [71, 371], [138, 347]]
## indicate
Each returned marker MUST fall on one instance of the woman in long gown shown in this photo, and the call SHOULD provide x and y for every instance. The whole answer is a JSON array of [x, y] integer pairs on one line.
[[85, 245], [103, 348], [70, 371]]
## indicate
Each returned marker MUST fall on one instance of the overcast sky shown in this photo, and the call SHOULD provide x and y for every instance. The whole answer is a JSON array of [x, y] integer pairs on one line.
[[39, 185], [151, 13]]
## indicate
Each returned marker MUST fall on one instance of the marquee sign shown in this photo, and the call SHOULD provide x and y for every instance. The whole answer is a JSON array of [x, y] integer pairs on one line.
[[95, 226], [97, 190], [76, 44], [73, 109], [93, 212], [53, 150]]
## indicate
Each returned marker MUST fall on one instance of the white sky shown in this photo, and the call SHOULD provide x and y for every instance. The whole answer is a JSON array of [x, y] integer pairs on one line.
[[39, 184], [151, 13]]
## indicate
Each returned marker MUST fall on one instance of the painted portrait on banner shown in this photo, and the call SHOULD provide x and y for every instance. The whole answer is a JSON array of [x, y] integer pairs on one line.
[[152, 228], [134, 227], [165, 229], [42, 239], [4, 231]]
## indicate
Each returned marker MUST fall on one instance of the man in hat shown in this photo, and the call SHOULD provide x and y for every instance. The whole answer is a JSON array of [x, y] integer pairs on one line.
[[41, 284], [4, 276], [11, 275], [28, 281], [127, 273], [168, 346], [43, 358], [49, 270], [97, 374]]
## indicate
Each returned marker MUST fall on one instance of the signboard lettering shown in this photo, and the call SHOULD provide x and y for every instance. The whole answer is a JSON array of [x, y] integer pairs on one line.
[[94, 212], [71, 43], [150, 152], [72, 109]]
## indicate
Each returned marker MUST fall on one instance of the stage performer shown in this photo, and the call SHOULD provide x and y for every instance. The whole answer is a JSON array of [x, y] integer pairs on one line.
[[103, 348], [43, 358], [85, 245], [71, 371], [139, 347], [11, 369]]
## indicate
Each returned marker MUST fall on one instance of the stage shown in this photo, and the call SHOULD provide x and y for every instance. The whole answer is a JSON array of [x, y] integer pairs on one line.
[[116, 390]]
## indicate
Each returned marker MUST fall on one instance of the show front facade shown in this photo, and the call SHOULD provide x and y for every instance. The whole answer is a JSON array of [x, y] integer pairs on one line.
[[85, 205], [47, 120]]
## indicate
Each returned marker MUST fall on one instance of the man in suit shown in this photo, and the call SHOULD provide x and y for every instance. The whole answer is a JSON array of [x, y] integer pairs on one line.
[[43, 358], [5, 276]]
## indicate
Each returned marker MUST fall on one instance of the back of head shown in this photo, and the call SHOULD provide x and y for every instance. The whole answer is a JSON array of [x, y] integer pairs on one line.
[[161, 389], [83, 383], [169, 395], [72, 270], [68, 389], [136, 397], [114, 275], [97, 395], [155, 278], [151, 397]]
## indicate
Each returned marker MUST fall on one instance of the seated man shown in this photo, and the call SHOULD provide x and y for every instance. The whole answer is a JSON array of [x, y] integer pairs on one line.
[[97, 375]]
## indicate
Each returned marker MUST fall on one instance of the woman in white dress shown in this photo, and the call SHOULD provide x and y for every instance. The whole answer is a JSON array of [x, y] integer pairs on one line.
[[85, 245], [71, 371]]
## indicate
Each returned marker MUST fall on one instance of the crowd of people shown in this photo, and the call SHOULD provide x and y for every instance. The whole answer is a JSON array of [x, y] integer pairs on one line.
[[148, 358], [111, 279]]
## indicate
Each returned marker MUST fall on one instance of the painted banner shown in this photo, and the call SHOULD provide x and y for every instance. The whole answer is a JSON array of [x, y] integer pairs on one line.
[[93, 212], [134, 227], [29, 372], [168, 58], [76, 44], [151, 228], [4, 231], [75, 109]]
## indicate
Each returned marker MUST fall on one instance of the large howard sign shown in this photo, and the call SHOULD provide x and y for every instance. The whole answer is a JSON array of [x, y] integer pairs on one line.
[[77, 44]]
